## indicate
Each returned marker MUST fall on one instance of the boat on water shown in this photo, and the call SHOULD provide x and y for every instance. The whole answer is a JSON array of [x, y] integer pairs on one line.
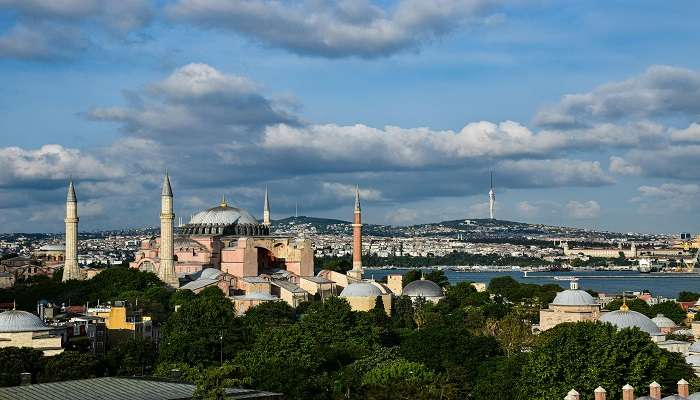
[[647, 266]]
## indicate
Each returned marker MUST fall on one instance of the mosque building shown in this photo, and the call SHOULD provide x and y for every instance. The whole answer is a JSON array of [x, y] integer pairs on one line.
[[571, 305]]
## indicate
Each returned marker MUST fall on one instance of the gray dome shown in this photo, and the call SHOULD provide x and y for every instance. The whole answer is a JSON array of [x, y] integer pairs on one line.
[[423, 288], [663, 322], [695, 347], [223, 215], [210, 273], [52, 247], [574, 297], [693, 359], [674, 397], [694, 396], [361, 289], [186, 243], [20, 321], [630, 319]]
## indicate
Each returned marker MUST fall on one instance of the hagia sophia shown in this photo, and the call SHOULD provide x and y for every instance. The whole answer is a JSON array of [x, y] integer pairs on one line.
[[225, 246]]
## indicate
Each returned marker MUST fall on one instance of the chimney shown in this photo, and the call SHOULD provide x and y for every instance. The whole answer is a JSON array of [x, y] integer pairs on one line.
[[599, 393], [627, 392], [655, 391], [572, 395], [683, 388], [25, 378]]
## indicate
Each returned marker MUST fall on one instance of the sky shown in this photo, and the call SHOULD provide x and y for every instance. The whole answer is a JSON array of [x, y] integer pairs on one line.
[[587, 112]]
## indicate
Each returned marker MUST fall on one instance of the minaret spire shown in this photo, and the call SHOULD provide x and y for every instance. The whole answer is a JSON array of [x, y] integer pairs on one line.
[[166, 270], [356, 272], [70, 266], [266, 210]]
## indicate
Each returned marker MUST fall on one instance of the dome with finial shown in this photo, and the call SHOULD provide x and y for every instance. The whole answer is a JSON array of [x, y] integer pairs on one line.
[[224, 219], [626, 318], [423, 288]]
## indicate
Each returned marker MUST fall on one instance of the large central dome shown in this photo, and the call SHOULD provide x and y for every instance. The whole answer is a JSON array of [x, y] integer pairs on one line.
[[225, 220], [223, 215]]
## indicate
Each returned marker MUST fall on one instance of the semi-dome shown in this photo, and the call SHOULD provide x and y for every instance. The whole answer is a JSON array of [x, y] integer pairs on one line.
[[626, 318], [423, 288], [663, 322], [52, 247], [20, 321], [361, 289], [210, 273], [187, 243], [574, 297]]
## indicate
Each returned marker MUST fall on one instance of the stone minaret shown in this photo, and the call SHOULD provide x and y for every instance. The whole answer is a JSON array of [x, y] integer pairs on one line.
[[166, 272], [492, 199], [356, 271], [70, 267], [266, 210]]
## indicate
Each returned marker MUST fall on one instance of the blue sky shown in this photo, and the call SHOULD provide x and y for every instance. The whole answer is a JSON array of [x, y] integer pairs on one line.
[[586, 110]]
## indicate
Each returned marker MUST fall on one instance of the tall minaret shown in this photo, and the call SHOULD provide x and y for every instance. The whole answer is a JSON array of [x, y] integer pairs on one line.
[[356, 271], [70, 267], [166, 272], [492, 198], [266, 210]]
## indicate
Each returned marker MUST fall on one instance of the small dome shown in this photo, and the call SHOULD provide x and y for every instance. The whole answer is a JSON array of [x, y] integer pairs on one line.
[[210, 273], [423, 288], [20, 321], [361, 289], [663, 322], [631, 319], [574, 297], [257, 296], [52, 247], [223, 215], [674, 397], [695, 347], [694, 396]]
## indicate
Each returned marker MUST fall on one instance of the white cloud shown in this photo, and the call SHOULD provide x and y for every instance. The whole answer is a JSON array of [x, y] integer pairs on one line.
[[619, 165], [554, 172], [659, 91], [691, 134], [336, 28], [583, 210], [342, 190], [51, 162], [402, 216]]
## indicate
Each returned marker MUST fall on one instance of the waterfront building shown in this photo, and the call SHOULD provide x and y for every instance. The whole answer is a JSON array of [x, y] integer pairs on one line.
[[226, 238], [24, 329], [571, 305]]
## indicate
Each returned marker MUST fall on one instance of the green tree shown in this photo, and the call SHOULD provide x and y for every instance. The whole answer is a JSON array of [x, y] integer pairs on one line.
[[203, 331], [211, 383], [70, 365], [513, 334], [16, 360], [133, 357], [586, 355], [637, 305], [400, 379], [265, 316], [688, 296]]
